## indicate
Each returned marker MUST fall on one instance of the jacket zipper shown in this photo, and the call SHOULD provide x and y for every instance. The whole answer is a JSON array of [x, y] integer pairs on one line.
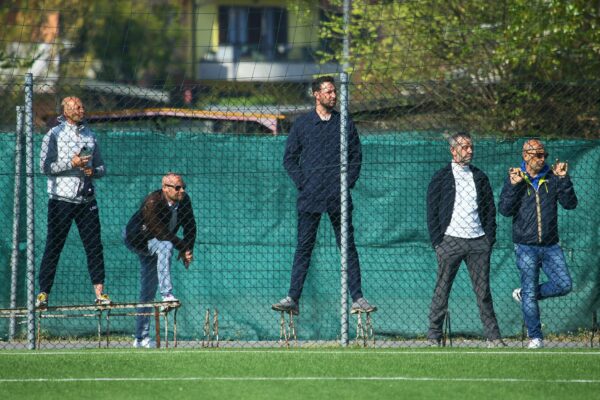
[[538, 209]]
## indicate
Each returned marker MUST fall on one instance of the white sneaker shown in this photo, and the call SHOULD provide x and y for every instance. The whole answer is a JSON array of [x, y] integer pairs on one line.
[[535, 344], [145, 343], [169, 297], [517, 295]]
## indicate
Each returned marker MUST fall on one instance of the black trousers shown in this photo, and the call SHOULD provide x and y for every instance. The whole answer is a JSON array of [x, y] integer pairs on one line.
[[308, 225], [61, 214], [476, 254]]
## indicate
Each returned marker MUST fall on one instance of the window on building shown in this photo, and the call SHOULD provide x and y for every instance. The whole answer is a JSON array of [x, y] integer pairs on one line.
[[254, 33]]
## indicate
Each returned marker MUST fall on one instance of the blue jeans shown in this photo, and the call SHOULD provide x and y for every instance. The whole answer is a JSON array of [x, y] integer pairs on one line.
[[155, 270], [550, 259]]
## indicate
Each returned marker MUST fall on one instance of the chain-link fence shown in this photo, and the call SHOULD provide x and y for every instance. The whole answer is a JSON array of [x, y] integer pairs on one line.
[[248, 215], [297, 209]]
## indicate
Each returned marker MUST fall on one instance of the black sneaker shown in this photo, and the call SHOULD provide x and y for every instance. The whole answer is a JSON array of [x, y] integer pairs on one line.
[[362, 305], [287, 304]]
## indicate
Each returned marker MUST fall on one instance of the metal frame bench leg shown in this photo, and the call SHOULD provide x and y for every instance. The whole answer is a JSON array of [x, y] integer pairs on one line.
[[107, 328], [157, 325], [594, 327], [364, 331], [286, 333], [216, 326], [175, 327], [370, 332], [39, 330], [99, 313], [206, 338], [166, 317]]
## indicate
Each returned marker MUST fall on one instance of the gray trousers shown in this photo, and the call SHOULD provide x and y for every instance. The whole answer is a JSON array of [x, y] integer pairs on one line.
[[476, 254]]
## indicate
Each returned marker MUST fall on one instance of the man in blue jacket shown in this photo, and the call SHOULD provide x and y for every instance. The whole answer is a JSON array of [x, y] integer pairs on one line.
[[461, 218], [530, 196], [312, 160]]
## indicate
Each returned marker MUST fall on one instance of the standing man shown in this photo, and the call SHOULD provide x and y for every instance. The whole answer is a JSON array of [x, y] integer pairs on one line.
[[461, 217], [151, 234], [312, 160], [70, 158], [530, 196]]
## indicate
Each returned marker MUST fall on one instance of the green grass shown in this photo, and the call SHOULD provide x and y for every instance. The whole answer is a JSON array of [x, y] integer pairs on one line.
[[300, 374]]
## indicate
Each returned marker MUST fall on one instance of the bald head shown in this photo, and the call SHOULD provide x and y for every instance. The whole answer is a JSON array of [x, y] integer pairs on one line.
[[170, 178], [173, 187], [73, 109], [534, 155]]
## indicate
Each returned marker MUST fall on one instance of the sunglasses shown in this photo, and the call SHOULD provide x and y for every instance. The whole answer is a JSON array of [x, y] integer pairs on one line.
[[539, 155], [176, 187]]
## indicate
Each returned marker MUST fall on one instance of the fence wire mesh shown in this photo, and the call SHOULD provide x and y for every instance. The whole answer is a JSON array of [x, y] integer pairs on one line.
[[242, 178]]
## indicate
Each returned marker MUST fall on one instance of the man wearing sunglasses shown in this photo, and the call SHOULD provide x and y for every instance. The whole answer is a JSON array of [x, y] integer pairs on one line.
[[151, 234], [530, 196]]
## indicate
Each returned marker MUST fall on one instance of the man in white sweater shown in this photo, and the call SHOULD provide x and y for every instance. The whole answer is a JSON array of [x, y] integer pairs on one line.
[[461, 218]]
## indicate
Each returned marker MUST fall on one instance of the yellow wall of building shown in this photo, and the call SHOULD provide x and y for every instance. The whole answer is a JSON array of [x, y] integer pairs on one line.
[[302, 24]]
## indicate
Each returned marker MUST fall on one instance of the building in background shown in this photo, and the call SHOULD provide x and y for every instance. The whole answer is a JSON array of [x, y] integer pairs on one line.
[[256, 40], [37, 49]]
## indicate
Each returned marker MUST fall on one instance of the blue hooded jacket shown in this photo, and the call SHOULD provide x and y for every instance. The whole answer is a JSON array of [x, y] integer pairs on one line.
[[532, 204]]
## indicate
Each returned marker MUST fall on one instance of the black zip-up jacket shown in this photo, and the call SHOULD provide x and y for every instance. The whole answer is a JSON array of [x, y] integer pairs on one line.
[[440, 203], [312, 160], [535, 213]]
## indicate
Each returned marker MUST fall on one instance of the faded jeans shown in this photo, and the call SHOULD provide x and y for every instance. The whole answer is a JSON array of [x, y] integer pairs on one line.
[[551, 260], [155, 270]]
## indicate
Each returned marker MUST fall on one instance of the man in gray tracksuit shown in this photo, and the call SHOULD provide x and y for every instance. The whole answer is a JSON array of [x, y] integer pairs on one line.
[[71, 159]]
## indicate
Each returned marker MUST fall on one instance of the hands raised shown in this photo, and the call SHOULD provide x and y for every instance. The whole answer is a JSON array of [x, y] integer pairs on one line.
[[560, 168], [516, 175]]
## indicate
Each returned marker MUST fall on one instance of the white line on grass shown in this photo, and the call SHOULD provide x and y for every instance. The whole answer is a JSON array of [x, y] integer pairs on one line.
[[294, 352], [299, 378]]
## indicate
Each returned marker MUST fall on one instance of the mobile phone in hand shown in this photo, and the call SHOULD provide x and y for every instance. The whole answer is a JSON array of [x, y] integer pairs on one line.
[[85, 151]]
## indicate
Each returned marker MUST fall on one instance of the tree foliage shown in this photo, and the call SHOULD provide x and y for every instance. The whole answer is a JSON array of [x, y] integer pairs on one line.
[[132, 41], [122, 41], [504, 65]]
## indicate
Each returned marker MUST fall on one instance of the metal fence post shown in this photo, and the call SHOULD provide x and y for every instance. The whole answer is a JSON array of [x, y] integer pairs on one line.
[[30, 217], [344, 198], [344, 179], [14, 259]]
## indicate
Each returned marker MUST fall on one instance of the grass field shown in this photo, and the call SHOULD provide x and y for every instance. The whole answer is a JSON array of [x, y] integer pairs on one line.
[[300, 374]]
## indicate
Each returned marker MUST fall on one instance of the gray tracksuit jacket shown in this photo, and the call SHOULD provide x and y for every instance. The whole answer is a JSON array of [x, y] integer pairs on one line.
[[59, 146]]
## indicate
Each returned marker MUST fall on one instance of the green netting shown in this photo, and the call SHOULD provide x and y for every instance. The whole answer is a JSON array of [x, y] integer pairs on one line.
[[245, 209]]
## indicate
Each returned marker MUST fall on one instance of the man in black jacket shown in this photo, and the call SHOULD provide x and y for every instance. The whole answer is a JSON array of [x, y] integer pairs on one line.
[[151, 234], [461, 217], [312, 160], [530, 196]]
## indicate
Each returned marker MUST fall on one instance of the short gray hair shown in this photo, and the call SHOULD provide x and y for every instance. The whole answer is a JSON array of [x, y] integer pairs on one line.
[[453, 140]]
